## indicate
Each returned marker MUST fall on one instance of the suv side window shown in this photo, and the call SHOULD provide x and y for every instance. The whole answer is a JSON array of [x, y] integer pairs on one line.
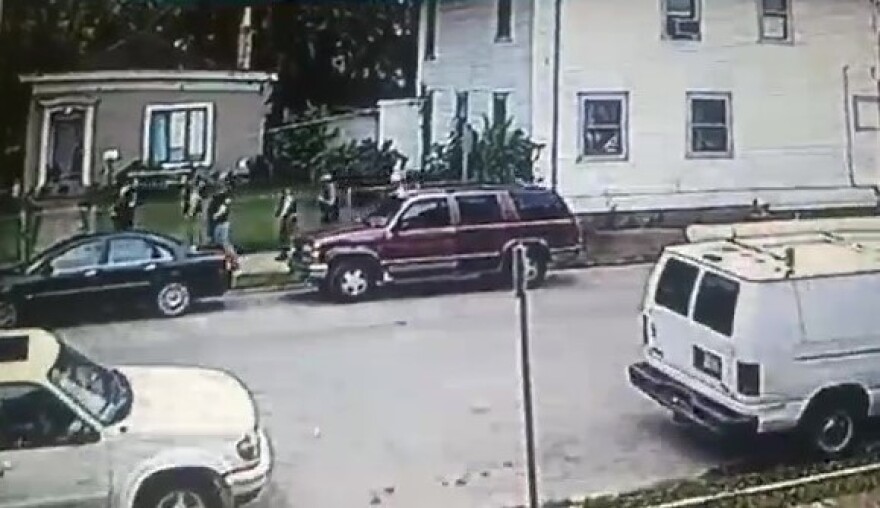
[[539, 205], [33, 417], [479, 209], [426, 214], [676, 285], [716, 303]]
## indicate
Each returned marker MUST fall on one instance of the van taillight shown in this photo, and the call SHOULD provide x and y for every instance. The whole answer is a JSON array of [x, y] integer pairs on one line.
[[748, 379], [645, 330]]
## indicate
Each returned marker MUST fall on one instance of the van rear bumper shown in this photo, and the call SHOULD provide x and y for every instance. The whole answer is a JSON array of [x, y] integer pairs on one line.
[[689, 404]]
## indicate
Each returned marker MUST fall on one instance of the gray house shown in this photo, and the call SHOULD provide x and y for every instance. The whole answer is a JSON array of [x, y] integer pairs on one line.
[[184, 114]]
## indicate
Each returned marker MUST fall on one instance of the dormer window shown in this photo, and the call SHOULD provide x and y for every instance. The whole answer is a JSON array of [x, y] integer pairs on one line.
[[682, 20]]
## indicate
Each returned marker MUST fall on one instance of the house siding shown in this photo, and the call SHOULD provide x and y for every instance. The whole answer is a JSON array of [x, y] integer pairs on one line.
[[119, 124], [469, 59], [792, 142]]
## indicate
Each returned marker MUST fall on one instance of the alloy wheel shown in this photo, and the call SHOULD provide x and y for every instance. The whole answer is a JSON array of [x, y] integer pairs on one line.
[[173, 299], [354, 282], [181, 499]]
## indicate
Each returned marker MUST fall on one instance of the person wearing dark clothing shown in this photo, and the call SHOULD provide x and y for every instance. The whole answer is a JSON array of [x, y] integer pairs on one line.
[[124, 206], [328, 200], [218, 218], [285, 212]]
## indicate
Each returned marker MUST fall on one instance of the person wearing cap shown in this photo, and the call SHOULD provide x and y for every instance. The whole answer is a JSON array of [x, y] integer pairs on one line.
[[122, 212], [285, 212], [328, 199]]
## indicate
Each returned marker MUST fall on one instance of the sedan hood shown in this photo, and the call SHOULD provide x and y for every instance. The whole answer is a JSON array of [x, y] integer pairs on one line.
[[187, 401], [357, 233]]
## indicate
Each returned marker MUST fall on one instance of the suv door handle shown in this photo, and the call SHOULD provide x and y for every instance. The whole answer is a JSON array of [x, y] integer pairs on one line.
[[150, 267]]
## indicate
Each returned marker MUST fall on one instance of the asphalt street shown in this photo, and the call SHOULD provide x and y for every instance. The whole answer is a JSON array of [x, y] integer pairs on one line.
[[413, 400]]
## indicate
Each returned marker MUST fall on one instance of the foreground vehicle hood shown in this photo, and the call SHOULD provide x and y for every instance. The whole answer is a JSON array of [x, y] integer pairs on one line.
[[188, 401], [346, 233]]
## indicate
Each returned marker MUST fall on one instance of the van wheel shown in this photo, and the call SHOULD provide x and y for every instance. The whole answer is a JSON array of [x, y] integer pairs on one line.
[[176, 493], [832, 428], [351, 281]]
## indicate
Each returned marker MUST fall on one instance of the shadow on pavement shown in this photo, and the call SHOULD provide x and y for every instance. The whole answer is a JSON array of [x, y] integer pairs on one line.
[[434, 289], [115, 313]]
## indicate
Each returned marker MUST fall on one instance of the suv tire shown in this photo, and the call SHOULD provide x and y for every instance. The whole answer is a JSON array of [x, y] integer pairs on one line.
[[831, 427], [536, 267], [173, 299], [350, 281], [174, 492], [9, 314]]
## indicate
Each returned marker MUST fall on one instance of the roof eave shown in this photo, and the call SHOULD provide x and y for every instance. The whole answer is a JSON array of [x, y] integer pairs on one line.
[[149, 75]]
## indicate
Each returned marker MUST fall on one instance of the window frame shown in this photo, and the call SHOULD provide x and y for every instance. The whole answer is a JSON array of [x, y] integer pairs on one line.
[[102, 258], [170, 108], [870, 100], [157, 254], [786, 16], [397, 223], [518, 198], [583, 99], [505, 24], [62, 399], [727, 97], [494, 197], [694, 286], [432, 29], [695, 16]]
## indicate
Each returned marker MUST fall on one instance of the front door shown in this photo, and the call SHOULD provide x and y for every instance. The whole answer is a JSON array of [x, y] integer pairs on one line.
[[422, 241], [133, 266], [71, 281], [44, 462], [66, 150]]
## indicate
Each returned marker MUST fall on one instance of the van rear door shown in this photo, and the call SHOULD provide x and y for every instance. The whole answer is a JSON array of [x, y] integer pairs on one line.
[[688, 320]]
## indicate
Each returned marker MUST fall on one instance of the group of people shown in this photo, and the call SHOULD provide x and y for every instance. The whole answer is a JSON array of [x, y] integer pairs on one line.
[[286, 213]]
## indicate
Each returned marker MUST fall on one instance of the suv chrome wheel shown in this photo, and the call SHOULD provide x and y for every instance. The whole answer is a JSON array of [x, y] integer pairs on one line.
[[354, 282], [351, 281], [8, 315], [181, 499]]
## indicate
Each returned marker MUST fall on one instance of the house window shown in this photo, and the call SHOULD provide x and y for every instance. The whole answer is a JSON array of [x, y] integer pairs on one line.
[[179, 135], [866, 113], [709, 125], [775, 20], [431, 30], [499, 107], [504, 26], [681, 20], [604, 119]]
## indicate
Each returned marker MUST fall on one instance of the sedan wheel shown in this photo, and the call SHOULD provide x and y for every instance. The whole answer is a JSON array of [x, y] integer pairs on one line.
[[181, 499], [173, 299], [8, 315]]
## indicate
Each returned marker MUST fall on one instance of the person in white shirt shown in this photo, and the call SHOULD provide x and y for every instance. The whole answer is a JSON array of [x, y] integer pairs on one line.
[[286, 214]]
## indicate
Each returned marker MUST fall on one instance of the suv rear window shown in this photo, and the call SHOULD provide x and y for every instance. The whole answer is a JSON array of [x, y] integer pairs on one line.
[[676, 285], [479, 209], [539, 205], [716, 303]]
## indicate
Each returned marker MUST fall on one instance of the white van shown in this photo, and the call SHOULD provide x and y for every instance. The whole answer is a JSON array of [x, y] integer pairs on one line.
[[767, 334]]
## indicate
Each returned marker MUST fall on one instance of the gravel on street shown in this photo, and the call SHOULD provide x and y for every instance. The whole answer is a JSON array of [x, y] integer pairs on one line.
[[413, 400]]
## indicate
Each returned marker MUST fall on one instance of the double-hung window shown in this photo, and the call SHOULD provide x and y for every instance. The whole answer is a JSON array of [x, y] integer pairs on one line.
[[604, 126], [179, 134]]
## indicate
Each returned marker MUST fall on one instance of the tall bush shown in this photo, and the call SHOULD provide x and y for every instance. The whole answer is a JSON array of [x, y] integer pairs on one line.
[[296, 152], [500, 154], [361, 163]]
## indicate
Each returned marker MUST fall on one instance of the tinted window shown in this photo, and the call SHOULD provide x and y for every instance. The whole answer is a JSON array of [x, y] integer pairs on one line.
[[82, 256], [675, 286], [716, 303], [479, 209], [537, 205], [130, 250], [428, 213], [32, 417]]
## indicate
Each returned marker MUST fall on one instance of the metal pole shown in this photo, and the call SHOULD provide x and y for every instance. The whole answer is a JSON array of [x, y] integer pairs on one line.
[[525, 374], [557, 49]]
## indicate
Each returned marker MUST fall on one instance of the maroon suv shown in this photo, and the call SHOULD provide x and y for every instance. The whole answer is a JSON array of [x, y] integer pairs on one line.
[[440, 234]]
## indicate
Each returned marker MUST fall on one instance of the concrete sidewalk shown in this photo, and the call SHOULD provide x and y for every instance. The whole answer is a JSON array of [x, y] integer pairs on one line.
[[262, 270]]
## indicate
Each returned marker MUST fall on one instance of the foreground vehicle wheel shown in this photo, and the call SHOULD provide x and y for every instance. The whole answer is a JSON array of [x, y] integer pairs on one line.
[[351, 281], [8, 315], [832, 429], [535, 268], [173, 299], [179, 494]]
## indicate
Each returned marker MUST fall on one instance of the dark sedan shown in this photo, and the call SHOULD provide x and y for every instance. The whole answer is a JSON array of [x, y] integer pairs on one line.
[[88, 271]]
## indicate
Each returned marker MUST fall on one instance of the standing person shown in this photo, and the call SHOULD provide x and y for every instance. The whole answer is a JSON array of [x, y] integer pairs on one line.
[[124, 205], [218, 221], [192, 207], [286, 214], [328, 199]]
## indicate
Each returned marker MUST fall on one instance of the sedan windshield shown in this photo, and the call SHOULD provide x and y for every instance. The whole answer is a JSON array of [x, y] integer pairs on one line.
[[103, 393], [383, 212]]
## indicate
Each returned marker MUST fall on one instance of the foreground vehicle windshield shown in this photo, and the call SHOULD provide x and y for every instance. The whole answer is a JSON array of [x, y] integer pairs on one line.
[[103, 393]]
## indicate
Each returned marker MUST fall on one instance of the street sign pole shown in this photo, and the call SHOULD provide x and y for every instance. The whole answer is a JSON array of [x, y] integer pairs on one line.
[[525, 372]]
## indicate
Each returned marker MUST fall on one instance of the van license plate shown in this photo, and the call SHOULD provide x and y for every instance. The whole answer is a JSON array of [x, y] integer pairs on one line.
[[711, 363]]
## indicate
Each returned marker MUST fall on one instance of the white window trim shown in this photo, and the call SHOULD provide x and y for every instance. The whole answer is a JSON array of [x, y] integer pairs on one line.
[[698, 17], [727, 97], [623, 98], [789, 26], [210, 129], [509, 38], [88, 140]]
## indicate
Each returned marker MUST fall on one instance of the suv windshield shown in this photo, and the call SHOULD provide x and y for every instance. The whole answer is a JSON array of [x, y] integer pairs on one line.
[[383, 212], [105, 394]]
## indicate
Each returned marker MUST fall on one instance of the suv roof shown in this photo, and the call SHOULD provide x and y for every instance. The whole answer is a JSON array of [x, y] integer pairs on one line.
[[26, 355], [432, 190], [786, 257]]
